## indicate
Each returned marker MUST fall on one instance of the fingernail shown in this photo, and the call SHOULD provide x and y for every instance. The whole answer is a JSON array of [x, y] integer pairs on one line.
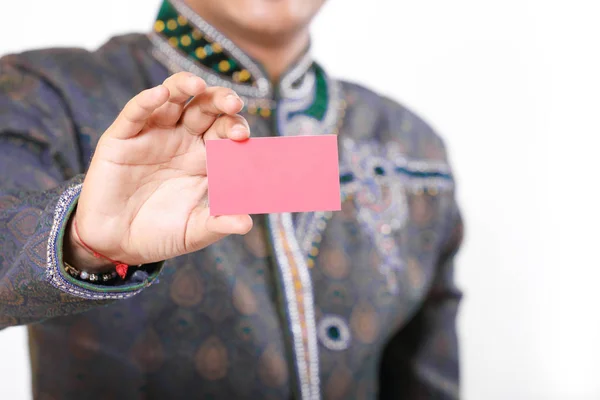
[[239, 130], [234, 97]]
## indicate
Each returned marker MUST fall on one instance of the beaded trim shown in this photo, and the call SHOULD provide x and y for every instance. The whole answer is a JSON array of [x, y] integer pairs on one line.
[[176, 62], [262, 88], [87, 276], [311, 234], [54, 274], [299, 301]]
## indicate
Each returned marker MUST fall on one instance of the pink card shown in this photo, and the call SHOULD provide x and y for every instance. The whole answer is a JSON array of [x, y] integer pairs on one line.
[[273, 175]]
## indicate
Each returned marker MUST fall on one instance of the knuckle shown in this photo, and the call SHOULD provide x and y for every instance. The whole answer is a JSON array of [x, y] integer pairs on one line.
[[130, 109], [226, 122], [131, 104], [240, 119], [173, 79], [181, 75], [168, 81], [137, 102], [236, 120], [225, 92]]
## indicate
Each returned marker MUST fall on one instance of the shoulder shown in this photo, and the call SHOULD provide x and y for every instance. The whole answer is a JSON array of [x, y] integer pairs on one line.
[[385, 142], [64, 68], [69, 92], [373, 117]]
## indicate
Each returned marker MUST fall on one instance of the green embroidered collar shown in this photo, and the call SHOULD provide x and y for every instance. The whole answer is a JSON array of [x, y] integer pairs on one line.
[[307, 100]]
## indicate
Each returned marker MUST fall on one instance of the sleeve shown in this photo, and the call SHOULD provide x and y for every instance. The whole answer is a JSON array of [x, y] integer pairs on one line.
[[422, 360], [40, 179]]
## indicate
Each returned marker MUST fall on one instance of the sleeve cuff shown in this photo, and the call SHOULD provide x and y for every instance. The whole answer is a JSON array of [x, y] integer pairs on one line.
[[60, 279]]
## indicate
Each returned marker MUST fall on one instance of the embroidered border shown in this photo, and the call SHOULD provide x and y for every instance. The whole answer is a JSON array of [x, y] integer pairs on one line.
[[64, 207], [176, 61], [299, 303], [310, 226], [262, 83], [299, 69], [259, 94], [308, 299], [305, 125], [379, 185], [291, 257], [311, 237]]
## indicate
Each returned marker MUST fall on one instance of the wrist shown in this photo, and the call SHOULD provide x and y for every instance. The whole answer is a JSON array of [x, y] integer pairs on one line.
[[77, 255]]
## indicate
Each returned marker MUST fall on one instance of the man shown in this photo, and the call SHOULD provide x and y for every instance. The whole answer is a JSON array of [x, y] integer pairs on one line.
[[355, 304]]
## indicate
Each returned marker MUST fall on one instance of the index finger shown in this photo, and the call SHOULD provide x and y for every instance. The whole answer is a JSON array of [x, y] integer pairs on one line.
[[137, 111], [204, 109]]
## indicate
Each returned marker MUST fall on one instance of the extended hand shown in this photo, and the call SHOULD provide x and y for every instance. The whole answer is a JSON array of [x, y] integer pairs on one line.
[[144, 195]]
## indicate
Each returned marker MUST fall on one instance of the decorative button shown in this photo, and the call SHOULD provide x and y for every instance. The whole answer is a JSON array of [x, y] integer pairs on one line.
[[347, 178], [334, 333], [379, 170], [386, 229]]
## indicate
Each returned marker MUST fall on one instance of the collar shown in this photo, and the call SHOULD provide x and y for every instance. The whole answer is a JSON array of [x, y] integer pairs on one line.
[[184, 41]]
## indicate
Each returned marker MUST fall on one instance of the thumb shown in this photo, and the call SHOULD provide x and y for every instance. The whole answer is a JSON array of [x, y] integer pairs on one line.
[[203, 229]]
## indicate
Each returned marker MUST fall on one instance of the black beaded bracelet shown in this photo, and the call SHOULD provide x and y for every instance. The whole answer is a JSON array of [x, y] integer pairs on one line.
[[87, 276]]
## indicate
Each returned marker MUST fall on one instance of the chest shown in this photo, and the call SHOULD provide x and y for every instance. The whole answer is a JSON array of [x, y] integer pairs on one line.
[[307, 299], [303, 303]]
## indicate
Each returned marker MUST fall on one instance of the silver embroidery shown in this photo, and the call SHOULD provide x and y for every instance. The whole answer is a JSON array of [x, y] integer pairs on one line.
[[53, 272], [305, 125], [314, 228], [308, 223], [299, 125], [301, 68], [308, 370], [309, 302], [381, 198]]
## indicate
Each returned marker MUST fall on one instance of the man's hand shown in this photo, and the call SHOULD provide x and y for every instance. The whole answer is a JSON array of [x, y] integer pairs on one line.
[[144, 195]]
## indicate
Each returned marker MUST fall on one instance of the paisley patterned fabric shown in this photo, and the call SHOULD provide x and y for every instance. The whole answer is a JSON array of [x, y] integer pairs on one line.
[[354, 304]]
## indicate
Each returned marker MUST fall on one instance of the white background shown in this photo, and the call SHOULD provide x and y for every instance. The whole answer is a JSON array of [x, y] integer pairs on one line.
[[513, 86]]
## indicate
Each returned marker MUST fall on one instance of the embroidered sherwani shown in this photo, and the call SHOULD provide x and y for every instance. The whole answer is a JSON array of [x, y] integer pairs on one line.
[[359, 303]]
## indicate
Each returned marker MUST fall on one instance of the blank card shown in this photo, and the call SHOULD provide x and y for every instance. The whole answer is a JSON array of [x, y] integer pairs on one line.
[[273, 175]]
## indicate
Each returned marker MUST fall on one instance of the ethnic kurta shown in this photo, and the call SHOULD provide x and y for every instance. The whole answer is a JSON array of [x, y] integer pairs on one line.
[[356, 304]]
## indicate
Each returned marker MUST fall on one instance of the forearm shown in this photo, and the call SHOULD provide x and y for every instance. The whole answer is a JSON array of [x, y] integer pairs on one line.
[[129, 182], [40, 158], [33, 225], [26, 229]]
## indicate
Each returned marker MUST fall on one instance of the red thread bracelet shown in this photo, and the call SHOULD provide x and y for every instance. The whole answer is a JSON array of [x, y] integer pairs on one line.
[[120, 267]]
